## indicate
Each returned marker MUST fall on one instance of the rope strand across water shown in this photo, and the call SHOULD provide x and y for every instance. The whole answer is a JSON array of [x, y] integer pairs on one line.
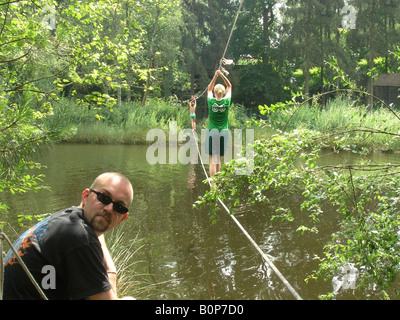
[[264, 256]]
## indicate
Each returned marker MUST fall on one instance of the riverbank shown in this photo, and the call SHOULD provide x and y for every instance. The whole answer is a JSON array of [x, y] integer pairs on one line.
[[347, 125], [130, 123]]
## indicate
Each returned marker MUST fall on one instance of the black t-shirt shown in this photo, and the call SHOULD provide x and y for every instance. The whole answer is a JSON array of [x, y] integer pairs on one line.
[[63, 254]]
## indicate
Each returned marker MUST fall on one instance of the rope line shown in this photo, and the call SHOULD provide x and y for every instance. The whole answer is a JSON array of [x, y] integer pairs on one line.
[[21, 262], [269, 262], [227, 45], [230, 35], [265, 257]]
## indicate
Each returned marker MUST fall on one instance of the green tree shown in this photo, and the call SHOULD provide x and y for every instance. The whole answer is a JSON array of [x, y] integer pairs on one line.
[[26, 92], [193, 42], [101, 38], [375, 35], [162, 20], [305, 23]]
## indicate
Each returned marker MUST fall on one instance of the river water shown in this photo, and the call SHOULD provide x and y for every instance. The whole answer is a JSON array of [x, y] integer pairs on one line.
[[180, 254]]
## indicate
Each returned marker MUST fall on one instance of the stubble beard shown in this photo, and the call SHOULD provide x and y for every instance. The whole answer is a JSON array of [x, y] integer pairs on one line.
[[100, 222]]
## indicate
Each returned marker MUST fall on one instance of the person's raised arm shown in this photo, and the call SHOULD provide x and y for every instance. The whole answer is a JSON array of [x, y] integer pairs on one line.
[[212, 83], [228, 85], [193, 102]]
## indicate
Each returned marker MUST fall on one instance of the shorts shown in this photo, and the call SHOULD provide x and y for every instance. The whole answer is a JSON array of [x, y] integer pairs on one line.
[[217, 142], [193, 116]]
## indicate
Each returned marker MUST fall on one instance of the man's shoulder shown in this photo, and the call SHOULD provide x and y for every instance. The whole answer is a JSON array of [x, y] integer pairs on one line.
[[66, 219], [69, 225]]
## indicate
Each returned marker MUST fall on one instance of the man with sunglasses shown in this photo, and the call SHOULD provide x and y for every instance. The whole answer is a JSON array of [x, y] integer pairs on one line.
[[66, 252]]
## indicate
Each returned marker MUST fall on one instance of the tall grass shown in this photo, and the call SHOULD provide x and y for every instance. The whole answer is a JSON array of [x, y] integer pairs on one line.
[[127, 124], [130, 123], [132, 277], [357, 126]]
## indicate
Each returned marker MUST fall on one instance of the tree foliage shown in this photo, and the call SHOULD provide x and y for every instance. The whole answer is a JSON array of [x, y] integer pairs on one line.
[[100, 53], [107, 51]]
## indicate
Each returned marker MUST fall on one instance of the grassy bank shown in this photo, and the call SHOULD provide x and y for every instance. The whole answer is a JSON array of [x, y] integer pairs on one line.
[[130, 123], [349, 124]]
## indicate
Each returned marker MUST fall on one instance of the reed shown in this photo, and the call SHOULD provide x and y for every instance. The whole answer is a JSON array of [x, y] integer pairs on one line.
[[358, 127], [125, 251], [130, 123]]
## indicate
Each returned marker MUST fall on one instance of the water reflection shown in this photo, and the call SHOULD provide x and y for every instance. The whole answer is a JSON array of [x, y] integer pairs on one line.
[[184, 255]]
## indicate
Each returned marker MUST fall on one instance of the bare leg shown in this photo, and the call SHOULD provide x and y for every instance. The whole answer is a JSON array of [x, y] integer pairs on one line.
[[215, 164]]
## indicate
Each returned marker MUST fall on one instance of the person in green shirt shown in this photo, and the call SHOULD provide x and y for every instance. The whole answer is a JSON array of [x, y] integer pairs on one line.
[[219, 101]]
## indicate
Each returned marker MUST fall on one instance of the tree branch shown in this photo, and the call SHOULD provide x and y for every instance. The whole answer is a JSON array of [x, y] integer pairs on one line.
[[18, 58]]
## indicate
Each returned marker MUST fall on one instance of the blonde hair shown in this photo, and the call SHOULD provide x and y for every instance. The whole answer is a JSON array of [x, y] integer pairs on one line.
[[219, 91]]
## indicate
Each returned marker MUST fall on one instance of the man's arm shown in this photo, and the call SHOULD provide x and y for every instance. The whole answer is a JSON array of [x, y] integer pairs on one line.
[[106, 295], [112, 276], [110, 266]]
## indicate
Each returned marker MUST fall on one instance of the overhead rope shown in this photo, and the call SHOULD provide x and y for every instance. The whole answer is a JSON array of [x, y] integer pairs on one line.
[[21, 262], [230, 35], [265, 257], [223, 60]]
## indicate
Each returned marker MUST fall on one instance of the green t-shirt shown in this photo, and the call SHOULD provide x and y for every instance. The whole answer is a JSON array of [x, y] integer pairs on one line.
[[218, 111]]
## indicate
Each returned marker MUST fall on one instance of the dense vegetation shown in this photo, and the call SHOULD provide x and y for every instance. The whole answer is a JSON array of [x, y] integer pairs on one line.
[[75, 70], [129, 123]]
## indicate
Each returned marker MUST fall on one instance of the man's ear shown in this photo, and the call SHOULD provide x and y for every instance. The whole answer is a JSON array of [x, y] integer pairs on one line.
[[85, 195]]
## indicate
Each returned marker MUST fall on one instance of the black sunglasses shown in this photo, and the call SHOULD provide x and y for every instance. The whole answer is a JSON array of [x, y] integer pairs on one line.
[[106, 200]]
